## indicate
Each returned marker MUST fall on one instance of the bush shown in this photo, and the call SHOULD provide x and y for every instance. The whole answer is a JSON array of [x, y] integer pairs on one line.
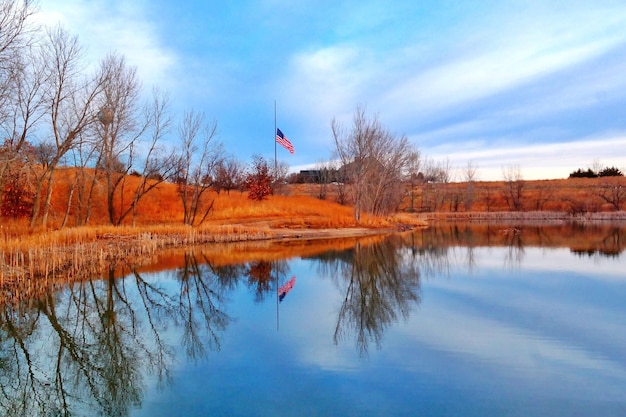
[[259, 180], [610, 172], [17, 200], [579, 173]]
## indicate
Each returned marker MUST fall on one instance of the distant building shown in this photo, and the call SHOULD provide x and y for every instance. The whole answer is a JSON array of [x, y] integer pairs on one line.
[[310, 176], [319, 176]]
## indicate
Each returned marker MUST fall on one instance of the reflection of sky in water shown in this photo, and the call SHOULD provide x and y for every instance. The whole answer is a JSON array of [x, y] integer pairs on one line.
[[541, 335]]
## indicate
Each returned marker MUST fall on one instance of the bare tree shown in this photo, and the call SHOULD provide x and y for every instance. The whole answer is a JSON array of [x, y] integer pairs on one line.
[[158, 164], [613, 193], [200, 153], [119, 130], [16, 37], [513, 187], [279, 173], [21, 87], [596, 165], [374, 162], [71, 100], [489, 199], [327, 174], [14, 17], [470, 174], [83, 185], [435, 174], [229, 175], [542, 194], [444, 171], [413, 172]]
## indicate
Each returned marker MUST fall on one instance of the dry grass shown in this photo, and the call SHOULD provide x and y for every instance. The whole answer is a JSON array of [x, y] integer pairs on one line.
[[82, 251], [76, 251], [560, 195]]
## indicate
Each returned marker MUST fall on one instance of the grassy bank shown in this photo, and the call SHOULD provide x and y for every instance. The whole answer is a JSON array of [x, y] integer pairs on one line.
[[40, 255], [74, 251]]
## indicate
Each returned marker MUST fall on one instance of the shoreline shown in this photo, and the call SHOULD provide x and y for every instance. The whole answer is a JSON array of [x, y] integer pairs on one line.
[[25, 275], [541, 216], [71, 253]]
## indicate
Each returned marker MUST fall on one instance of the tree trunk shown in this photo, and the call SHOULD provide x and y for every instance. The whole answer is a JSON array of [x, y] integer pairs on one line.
[[69, 202], [46, 207]]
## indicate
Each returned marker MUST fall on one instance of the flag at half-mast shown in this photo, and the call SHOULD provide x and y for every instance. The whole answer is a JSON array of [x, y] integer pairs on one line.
[[282, 140]]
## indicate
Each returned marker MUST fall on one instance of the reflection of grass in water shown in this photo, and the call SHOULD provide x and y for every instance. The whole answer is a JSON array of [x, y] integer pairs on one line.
[[77, 251], [579, 237], [268, 250], [38, 263]]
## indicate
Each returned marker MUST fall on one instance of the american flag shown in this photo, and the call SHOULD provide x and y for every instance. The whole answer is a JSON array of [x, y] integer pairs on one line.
[[283, 141]]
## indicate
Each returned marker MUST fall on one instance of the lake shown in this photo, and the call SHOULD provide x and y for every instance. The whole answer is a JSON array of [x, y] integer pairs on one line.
[[454, 320]]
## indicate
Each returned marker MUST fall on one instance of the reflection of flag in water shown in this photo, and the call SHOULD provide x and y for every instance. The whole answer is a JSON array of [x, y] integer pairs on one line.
[[282, 291]]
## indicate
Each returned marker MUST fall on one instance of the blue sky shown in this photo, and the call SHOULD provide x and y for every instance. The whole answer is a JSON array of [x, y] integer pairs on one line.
[[539, 85]]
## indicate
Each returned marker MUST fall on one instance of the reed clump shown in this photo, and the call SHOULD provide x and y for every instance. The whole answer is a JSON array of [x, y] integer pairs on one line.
[[84, 251]]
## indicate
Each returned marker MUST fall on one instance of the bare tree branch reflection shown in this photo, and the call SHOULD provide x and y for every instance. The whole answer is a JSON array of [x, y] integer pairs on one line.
[[515, 247], [203, 319], [379, 288], [89, 348], [93, 347], [262, 277]]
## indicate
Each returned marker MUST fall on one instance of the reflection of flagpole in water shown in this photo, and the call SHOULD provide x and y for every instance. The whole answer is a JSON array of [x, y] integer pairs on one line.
[[277, 300]]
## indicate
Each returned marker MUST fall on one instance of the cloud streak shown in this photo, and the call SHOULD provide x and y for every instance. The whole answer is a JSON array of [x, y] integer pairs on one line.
[[491, 78], [116, 26]]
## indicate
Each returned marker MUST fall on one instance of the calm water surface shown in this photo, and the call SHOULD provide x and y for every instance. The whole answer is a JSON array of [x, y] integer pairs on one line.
[[451, 321]]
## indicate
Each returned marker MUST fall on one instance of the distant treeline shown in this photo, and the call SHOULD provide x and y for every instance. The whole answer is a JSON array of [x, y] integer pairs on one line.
[[590, 173]]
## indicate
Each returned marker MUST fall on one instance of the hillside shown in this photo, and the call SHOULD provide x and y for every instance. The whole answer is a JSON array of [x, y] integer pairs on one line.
[[300, 205], [575, 195], [57, 254]]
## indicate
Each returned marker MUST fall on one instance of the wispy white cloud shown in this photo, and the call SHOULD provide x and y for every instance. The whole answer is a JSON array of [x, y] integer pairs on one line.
[[411, 85], [479, 74], [504, 347], [536, 161], [494, 66], [106, 26], [327, 80]]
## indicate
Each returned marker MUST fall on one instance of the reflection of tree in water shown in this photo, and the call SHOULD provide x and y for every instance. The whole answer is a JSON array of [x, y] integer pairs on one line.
[[262, 276], [515, 246], [86, 350], [427, 253], [379, 287], [585, 237], [199, 296], [80, 355], [610, 245]]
